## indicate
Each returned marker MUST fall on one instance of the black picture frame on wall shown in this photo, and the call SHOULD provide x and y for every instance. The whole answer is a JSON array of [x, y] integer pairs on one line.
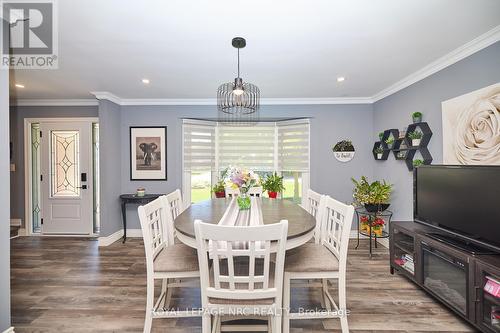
[[148, 153]]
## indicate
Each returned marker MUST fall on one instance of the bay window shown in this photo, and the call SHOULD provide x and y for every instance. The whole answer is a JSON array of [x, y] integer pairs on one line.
[[266, 147]]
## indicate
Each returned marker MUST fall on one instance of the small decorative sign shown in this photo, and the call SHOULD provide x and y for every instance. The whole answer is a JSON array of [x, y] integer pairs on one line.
[[344, 151]]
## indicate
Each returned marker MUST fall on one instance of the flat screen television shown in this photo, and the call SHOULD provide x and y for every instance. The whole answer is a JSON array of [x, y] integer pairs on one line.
[[461, 200]]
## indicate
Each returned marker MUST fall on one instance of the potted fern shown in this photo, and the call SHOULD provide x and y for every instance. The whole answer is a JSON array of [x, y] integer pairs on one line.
[[273, 184]]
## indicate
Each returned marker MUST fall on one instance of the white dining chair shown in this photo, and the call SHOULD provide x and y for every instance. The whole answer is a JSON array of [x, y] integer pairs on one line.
[[232, 192], [175, 202], [242, 278], [326, 260], [255, 191], [312, 205], [165, 260]]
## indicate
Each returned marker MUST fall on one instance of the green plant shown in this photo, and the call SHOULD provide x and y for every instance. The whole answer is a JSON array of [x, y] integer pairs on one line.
[[379, 150], [273, 183], [390, 141], [416, 114], [344, 145], [381, 135], [417, 163], [415, 135], [377, 192], [220, 186]]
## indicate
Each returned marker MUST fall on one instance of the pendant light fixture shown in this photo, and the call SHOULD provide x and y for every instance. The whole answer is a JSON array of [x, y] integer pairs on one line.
[[239, 98]]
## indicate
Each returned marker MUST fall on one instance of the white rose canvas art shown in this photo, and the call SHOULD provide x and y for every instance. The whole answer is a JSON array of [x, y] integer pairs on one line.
[[471, 128]]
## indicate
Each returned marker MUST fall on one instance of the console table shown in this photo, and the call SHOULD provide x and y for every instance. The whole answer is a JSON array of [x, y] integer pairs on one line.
[[136, 200]]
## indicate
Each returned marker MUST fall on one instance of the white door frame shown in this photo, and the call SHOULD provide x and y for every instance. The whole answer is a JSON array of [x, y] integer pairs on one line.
[[28, 225]]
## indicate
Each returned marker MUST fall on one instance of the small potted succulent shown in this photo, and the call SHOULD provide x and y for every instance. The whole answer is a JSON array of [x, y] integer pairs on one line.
[[416, 137], [219, 188], [373, 196], [379, 151], [389, 142], [417, 117], [417, 163], [273, 184]]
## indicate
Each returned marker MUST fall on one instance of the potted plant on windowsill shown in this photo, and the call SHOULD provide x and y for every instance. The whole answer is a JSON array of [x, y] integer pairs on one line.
[[219, 188], [416, 137], [273, 185], [417, 117], [379, 151], [373, 196]]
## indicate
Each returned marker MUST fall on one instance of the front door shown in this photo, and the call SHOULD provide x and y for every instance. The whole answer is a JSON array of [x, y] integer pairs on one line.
[[66, 177]]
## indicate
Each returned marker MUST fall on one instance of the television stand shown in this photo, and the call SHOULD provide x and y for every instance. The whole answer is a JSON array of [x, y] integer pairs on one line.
[[459, 244]]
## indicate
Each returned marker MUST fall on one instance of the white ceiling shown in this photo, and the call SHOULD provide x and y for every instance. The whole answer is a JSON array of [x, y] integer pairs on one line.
[[295, 49]]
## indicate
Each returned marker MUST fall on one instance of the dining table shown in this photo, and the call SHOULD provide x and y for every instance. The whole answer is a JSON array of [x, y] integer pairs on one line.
[[301, 224]]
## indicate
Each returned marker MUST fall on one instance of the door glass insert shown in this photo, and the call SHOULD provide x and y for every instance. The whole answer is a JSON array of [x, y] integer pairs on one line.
[[35, 178], [64, 164]]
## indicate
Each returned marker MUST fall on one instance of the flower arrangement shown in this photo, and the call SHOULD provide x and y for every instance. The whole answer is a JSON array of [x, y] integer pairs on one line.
[[243, 180], [372, 224]]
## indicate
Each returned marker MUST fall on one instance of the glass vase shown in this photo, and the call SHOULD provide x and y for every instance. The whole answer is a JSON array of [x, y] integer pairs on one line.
[[243, 201]]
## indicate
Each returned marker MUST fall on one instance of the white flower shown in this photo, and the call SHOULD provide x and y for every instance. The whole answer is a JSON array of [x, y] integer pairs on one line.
[[478, 132]]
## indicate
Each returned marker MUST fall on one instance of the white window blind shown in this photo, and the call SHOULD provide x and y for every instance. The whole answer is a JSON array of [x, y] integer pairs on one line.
[[199, 146], [252, 147], [293, 146]]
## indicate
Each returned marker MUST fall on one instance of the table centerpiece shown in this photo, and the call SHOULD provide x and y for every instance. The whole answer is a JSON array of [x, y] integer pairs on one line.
[[243, 180]]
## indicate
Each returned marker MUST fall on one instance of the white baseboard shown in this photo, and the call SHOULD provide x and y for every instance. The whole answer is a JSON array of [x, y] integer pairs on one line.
[[382, 241], [22, 232], [9, 330], [108, 240], [16, 222]]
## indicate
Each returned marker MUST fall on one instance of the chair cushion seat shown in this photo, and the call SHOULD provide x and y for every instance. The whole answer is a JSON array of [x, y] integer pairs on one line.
[[176, 258], [311, 257]]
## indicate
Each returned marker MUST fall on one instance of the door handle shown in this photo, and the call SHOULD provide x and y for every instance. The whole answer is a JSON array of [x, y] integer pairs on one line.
[[83, 187]]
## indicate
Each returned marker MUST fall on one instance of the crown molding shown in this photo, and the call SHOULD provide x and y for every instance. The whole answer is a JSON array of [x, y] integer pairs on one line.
[[449, 59], [54, 102], [475, 45]]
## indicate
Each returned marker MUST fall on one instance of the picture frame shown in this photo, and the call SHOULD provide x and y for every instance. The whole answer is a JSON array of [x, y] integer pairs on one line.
[[148, 153]]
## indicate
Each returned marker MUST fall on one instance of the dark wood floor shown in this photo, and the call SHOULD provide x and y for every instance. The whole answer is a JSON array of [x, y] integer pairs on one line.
[[71, 285]]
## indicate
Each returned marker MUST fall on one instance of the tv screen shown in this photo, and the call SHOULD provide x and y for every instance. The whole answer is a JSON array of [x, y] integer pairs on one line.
[[461, 199]]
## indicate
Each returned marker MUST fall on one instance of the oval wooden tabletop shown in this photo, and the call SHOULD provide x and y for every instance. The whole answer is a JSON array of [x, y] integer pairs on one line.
[[300, 222]]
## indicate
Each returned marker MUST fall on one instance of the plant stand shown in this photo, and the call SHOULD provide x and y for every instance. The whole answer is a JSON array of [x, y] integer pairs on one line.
[[386, 215]]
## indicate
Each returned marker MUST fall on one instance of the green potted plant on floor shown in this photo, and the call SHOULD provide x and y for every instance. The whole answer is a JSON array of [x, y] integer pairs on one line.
[[416, 137], [417, 117], [373, 196], [273, 184]]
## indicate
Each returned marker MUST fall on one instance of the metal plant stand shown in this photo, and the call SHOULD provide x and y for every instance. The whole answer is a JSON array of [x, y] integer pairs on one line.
[[386, 215]]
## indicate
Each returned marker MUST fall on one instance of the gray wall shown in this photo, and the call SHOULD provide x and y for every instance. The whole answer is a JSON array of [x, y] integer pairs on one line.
[[329, 124], [109, 159], [477, 71], [4, 207], [17, 115]]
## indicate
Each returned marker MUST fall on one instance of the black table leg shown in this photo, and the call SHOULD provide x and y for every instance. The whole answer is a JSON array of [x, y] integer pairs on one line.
[[124, 219], [357, 244], [370, 243]]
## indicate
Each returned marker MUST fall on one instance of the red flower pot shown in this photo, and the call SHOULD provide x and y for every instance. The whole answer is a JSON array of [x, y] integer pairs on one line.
[[221, 194], [272, 195]]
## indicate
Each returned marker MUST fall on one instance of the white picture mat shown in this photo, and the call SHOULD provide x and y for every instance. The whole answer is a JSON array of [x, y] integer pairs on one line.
[[148, 132]]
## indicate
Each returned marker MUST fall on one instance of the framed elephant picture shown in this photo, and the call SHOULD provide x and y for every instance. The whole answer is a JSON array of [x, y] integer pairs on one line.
[[148, 153]]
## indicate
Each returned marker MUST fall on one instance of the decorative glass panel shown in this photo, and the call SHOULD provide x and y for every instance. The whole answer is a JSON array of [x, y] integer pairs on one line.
[[64, 164], [35, 178], [95, 169]]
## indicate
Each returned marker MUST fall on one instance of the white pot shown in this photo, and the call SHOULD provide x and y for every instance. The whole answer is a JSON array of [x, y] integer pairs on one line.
[[379, 156], [344, 156], [415, 142]]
